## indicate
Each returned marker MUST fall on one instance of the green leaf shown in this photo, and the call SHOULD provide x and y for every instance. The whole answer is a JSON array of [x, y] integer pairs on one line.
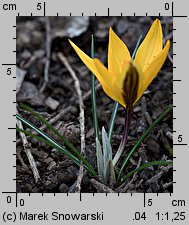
[[112, 120], [145, 165], [50, 126], [144, 135], [136, 47], [107, 154], [93, 95], [50, 139], [99, 156]]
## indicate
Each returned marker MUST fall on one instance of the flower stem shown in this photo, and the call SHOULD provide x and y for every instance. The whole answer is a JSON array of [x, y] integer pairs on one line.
[[124, 137], [144, 135]]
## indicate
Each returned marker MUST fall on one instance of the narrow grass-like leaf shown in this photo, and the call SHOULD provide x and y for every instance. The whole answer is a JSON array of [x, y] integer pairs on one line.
[[116, 104], [59, 148], [51, 143], [136, 47], [50, 139], [50, 126], [144, 135], [93, 95], [107, 154], [112, 120], [99, 156], [145, 165]]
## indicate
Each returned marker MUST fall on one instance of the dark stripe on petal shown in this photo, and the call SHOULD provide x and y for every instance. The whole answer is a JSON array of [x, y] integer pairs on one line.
[[130, 86]]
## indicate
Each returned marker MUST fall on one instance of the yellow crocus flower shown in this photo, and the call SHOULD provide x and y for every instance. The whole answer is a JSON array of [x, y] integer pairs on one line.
[[125, 80]]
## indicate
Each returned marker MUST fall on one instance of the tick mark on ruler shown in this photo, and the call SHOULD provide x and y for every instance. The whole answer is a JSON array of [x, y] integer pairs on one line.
[[144, 199], [180, 16], [172, 8], [80, 196], [179, 144], [8, 64], [44, 8], [177, 80]]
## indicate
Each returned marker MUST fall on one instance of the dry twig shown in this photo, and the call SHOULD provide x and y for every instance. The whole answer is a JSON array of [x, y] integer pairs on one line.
[[81, 117], [27, 149], [101, 188], [48, 53]]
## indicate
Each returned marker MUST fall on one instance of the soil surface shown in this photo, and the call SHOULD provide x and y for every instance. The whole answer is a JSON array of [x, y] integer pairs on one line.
[[39, 42]]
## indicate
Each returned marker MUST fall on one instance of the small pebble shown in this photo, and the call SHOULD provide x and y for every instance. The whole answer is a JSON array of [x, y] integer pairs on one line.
[[52, 103], [63, 188]]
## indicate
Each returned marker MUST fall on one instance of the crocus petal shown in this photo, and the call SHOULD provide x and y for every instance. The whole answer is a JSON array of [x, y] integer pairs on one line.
[[153, 69], [85, 58], [101, 73], [117, 53], [105, 78], [151, 46]]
